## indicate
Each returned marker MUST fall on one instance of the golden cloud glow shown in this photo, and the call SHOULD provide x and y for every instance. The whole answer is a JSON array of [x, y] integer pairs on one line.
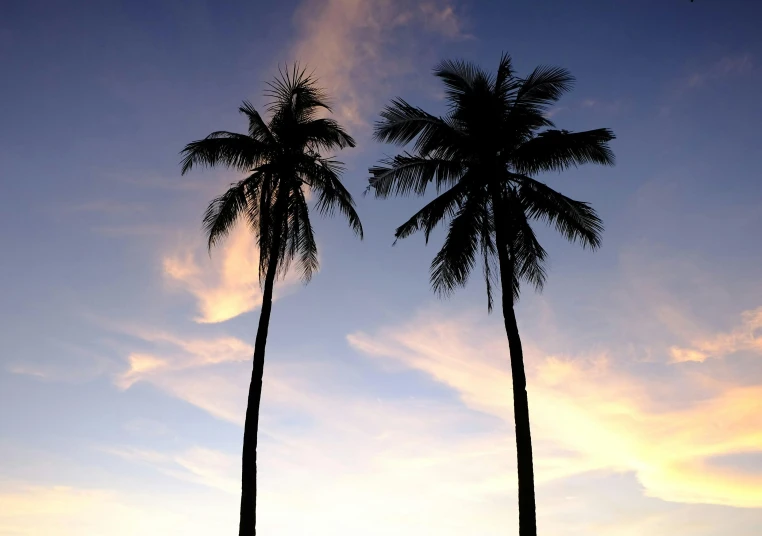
[[30, 510], [227, 285], [746, 337], [433, 463], [609, 420], [184, 368]]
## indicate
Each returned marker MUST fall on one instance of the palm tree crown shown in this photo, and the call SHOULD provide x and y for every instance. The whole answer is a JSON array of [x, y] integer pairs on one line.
[[480, 157], [282, 159]]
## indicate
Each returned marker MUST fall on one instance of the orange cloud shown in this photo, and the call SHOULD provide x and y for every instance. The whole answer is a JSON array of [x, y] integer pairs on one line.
[[185, 369], [607, 419], [360, 451], [406, 464], [227, 285], [747, 337]]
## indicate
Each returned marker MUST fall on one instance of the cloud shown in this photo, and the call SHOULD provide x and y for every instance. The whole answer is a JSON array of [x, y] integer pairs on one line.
[[605, 418], [324, 445], [31, 509], [608, 107], [133, 230], [747, 337], [443, 463], [151, 181], [107, 206], [146, 428], [412, 463], [352, 45], [63, 362], [208, 467], [442, 19], [360, 452], [185, 368], [227, 285], [555, 110], [727, 66]]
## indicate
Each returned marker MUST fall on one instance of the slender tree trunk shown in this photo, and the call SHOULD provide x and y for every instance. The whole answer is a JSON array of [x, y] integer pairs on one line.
[[525, 463], [527, 509], [248, 521]]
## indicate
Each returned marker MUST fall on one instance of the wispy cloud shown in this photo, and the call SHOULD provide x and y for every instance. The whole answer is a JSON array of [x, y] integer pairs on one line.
[[30, 509], [589, 416], [710, 72], [106, 206], [64, 362], [227, 284], [134, 230], [184, 368], [360, 451], [353, 44], [441, 18], [724, 67], [746, 337], [412, 463], [610, 107], [193, 353], [608, 419], [199, 465]]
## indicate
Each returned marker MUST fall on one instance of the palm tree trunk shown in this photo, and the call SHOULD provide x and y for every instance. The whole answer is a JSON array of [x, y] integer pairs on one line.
[[525, 464], [527, 512], [248, 522]]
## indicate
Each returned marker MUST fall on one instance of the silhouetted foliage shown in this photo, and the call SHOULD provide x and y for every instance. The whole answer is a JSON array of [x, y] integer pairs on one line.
[[480, 158], [281, 159]]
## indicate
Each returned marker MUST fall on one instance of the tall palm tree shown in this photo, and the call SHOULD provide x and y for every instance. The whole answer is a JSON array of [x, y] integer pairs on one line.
[[281, 159], [479, 157]]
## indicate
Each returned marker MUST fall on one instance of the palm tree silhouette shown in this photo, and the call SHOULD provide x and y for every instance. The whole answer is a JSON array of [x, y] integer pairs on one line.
[[480, 157], [281, 157]]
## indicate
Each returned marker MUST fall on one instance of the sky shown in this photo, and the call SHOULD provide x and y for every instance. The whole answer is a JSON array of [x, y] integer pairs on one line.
[[125, 349]]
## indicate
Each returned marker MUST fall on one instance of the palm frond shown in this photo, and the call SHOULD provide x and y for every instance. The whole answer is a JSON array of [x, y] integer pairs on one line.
[[455, 261], [323, 176], [230, 149], [460, 79], [295, 96], [268, 217], [489, 252], [325, 134], [426, 219], [543, 86], [408, 173], [258, 129], [557, 150], [402, 122], [527, 255], [505, 81], [224, 211], [302, 236], [575, 220]]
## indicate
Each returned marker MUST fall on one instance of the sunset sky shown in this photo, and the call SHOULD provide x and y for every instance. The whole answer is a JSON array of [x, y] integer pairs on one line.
[[125, 349]]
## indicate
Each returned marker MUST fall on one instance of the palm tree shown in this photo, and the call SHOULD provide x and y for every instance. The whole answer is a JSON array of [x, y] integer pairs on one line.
[[281, 159], [480, 157]]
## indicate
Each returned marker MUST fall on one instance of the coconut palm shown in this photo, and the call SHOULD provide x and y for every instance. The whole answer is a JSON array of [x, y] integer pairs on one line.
[[480, 158], [282, 160]]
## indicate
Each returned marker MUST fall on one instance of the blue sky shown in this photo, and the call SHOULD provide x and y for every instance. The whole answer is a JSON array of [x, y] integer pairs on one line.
[[126, 349]]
